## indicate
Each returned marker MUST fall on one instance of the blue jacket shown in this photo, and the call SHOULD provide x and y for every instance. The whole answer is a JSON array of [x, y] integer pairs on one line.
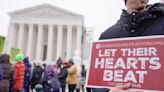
[[50, 80], [1, 73], [27, 74]]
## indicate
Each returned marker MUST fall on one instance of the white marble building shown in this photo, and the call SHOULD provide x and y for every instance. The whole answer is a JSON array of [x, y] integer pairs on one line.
[[162, 1], [45, 32], [87, 44]]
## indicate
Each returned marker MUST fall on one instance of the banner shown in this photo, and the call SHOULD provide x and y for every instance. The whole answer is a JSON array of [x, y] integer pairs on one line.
[[138, 60], [2, 43], [13, 53]]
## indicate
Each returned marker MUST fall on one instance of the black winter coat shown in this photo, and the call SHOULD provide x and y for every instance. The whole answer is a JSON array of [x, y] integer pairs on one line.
[[36, 76], [63, 76], [149, 22]]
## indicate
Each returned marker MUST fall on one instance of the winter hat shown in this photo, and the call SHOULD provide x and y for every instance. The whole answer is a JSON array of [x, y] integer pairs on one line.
[[65, 63], [50, 70], [19, 57], [39, 88]]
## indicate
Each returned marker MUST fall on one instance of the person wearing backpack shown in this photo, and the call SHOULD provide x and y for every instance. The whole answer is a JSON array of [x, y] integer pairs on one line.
[[18, 73], [72, 76], [63, 75], [50, 80], [36, 75], [27, 74]]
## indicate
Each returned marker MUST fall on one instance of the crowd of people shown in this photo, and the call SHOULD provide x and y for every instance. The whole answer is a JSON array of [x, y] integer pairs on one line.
[[39, 77]]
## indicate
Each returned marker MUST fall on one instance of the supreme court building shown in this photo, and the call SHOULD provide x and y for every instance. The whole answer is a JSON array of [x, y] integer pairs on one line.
[[45, 32]]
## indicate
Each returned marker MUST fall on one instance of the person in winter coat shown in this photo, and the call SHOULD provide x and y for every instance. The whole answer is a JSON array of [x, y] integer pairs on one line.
[[83, 75], [132, 23], [63, 76], [19, 71], [36, 75], [72, 76], [139, 19], [6, 68], [50, 80], [27, 74], [81, 79], [11, 80]]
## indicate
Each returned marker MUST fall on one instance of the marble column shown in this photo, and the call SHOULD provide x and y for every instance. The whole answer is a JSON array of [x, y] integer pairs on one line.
[[30, 41], [11, 37], [79, 38], [59, 41], [39, 49], [50, 43], [69, 42], [20, 37]]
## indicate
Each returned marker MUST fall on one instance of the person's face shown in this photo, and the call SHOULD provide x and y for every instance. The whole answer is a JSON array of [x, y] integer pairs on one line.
[[136, 5]]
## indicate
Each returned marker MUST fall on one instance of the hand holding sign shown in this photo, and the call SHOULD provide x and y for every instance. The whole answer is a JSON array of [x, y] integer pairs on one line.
[[137, 60]]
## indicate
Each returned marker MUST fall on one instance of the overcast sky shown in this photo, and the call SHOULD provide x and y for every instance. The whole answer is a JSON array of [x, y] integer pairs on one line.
[[99, 14]]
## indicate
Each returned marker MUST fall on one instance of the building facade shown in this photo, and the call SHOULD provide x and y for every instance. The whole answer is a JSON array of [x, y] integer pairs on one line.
[[162, 1], [87, 45], [45, 32]]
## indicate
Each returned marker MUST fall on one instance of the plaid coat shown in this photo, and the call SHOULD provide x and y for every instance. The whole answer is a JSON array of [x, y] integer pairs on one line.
[[19, 70]]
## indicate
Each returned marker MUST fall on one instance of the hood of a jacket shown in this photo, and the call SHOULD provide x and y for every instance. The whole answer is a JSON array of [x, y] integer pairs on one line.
[[135, 20]]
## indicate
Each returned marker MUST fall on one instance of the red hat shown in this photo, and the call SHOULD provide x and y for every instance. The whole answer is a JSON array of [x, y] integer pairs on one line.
[[65, 63]]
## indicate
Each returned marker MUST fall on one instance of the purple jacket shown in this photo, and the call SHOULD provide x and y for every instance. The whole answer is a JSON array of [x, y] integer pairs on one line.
[[50, 80]]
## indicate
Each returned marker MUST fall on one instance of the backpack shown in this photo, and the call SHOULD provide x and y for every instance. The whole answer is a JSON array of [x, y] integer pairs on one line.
[[36, 76], [52, 84], [37, 73]]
